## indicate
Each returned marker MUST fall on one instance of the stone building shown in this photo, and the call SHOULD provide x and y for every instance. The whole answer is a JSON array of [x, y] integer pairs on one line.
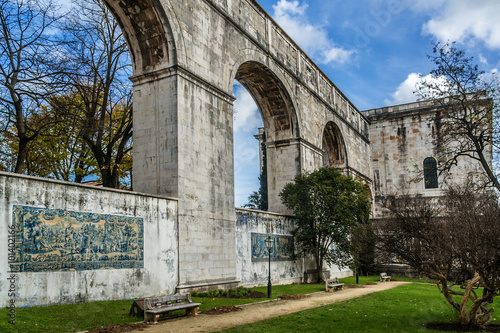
[[405, 141], [180, 231]]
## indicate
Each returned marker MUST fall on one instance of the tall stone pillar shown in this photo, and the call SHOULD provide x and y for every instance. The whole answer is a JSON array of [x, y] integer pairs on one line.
[[283, 164], [184, 127]]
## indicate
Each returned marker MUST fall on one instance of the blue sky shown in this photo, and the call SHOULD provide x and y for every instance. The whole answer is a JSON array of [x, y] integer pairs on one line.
[[373, 50]]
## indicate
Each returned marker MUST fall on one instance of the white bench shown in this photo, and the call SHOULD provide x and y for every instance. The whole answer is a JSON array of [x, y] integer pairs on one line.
[[333, 284], [384, 277]]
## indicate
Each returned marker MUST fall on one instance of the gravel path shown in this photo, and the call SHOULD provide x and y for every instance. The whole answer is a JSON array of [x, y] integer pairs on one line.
[[260, 311]]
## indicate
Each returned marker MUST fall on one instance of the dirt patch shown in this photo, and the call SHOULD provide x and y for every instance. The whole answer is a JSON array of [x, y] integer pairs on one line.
[[222, 309], [255, 294], [354, 286], [252, 294], [291, 297], [456, 327], [129, 327], [371, 284]]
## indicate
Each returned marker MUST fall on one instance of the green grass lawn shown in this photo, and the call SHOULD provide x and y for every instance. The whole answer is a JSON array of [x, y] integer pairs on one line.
[[403, 309], [292, 289], [362, 279], [68, 318], [85, 316]]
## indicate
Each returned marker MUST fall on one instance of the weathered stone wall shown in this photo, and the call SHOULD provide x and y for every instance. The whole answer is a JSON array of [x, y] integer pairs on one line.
[[63, 256], [252, 262], [72, 245], [402, 136], [186, 56]]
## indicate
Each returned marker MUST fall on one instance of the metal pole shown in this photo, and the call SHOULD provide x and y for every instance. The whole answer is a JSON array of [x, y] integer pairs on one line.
[[269, 281]]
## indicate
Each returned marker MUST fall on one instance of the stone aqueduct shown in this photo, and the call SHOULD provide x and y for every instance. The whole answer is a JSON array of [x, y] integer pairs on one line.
[[186, 56], [180, 230]]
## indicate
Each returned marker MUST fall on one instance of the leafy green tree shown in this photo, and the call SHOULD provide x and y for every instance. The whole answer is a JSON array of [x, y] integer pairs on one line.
[[329, 208], [60, 152]]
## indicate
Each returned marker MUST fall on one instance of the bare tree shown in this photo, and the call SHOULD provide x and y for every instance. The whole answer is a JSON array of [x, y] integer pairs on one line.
[[101, 66], [467, 121], [29, 70], [454, 242]]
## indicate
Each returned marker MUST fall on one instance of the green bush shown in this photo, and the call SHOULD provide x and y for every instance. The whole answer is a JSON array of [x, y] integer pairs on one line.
[[213, 293]]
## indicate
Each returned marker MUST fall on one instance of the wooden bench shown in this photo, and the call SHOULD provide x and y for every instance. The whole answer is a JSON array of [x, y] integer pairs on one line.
[[155, 306], [333, 284], [384, 277]]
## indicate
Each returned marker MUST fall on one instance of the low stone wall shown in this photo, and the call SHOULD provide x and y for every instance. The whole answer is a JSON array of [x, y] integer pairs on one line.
[[68, 243], [252, 227]]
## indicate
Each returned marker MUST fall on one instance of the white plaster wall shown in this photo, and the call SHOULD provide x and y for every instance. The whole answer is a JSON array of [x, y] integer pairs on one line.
[[160, 272], [282, 272]]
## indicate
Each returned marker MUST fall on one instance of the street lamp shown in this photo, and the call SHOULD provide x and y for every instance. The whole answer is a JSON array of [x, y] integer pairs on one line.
[[269, 245]]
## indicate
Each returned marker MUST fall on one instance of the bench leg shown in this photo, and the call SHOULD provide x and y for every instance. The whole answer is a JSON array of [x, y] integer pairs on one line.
[[192, 311], [150, 318]]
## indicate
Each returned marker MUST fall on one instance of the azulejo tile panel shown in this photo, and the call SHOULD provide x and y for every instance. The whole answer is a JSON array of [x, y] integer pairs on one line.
[[61, 240], [282, 249]]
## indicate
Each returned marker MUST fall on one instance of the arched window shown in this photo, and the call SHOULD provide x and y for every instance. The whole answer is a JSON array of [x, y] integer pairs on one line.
[[430, 173]]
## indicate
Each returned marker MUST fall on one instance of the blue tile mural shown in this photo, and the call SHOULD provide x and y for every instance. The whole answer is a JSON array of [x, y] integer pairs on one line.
[[282, 250], [60, 240]]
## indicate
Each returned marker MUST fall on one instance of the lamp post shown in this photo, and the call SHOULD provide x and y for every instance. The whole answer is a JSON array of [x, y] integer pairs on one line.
[[269, 245]]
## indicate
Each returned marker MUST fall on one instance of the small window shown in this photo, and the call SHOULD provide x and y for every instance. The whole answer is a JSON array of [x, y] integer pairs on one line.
[[430, 173]]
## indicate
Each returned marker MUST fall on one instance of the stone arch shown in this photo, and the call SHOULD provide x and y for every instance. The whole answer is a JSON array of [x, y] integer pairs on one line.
[[334, 147], [147, 29], [272, 99], [278, 113]]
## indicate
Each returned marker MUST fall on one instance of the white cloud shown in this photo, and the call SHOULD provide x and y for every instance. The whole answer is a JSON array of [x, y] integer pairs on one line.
[[247, 117], [337, 55], [405, 91], [314, 39], [462, 20], [483, 60], [284, 7]]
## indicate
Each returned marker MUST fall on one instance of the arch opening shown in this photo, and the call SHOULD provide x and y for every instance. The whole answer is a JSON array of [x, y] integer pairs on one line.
[[147, 32], [333, 146], [247, 125], [281, 153], [272, 99]]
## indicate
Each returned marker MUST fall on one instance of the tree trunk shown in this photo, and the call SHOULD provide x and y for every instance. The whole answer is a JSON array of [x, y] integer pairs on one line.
[[319, 265], [21, 156]]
